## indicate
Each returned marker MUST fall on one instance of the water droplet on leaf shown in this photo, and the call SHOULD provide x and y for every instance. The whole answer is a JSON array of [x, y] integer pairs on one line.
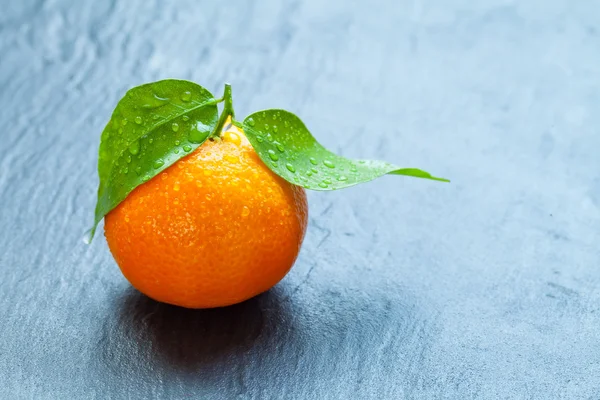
[[138, 120], [175, 126], [313, 161], [342, 178], [290, 167], [185, 118], [272, 155], [134, 147], [328, 164], [186, 96], [251, 122], [158, 164], [323, 185], [187, 148]]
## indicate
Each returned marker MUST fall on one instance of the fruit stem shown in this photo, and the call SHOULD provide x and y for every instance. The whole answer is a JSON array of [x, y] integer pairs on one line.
[[227, 111]]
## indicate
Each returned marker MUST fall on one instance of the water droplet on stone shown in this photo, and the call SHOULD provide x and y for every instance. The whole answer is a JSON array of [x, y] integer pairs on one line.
[[175, 126], [186, 96], [290, 167], [251, 122], [138, 120], [328, 164], [272, 155]]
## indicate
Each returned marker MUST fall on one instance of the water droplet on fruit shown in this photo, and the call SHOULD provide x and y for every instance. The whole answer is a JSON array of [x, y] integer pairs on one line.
[[176, 187], [272, 155], [187, 148], [134, 147], [290, 167], [232, 137], [251, 122], [313, 161], [175, 126], [232, 159], [138, 120], [186, 96], [245, 211], [328, 164]]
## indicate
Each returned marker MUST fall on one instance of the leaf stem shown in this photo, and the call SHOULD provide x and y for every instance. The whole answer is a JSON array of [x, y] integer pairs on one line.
[[227, 111]]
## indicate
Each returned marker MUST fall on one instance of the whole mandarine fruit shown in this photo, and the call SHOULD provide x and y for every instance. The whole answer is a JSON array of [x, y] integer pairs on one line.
[[214, 229]]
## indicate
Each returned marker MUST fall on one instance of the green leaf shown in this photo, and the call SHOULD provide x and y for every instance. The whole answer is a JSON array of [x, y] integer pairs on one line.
[[152, 127], [284, 144]]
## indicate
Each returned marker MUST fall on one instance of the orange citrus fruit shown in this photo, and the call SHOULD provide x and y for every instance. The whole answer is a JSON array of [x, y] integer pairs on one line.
[[216, 228]]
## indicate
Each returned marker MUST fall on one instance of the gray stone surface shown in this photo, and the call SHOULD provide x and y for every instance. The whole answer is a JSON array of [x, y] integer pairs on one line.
[[405, 289]]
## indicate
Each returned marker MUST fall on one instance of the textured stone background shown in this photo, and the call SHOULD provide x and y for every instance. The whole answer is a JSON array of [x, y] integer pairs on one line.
[[405, 289]]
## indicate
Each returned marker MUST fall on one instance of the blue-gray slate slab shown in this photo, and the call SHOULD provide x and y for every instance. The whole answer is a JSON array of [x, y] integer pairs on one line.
[[485, 288]]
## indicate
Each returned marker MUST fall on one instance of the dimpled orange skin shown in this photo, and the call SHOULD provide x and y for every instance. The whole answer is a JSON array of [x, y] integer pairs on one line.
[[214, 229]]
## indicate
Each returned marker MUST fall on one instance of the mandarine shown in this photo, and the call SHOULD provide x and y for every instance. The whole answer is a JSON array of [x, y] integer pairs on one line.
[[214, 229]]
